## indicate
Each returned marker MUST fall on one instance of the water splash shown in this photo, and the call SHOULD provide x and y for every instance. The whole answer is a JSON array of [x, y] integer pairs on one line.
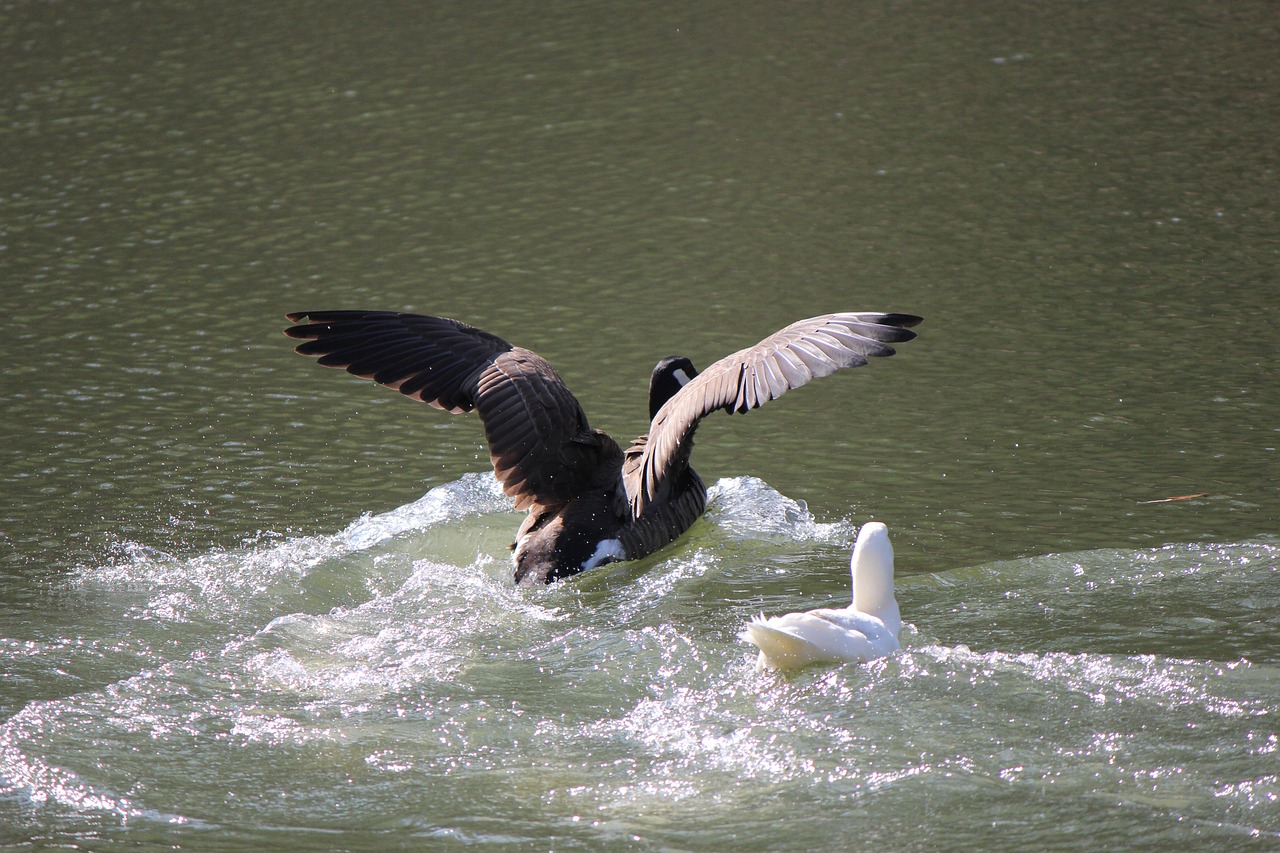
[[391, 672], [748, 507]]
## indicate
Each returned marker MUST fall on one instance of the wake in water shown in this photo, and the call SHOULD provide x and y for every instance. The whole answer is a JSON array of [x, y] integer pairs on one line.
[[391, 675]]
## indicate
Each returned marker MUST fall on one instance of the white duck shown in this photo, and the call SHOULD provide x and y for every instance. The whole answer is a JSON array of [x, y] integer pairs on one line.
[[865, 630]]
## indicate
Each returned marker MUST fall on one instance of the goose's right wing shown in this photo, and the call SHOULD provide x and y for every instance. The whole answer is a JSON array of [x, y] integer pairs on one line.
[[749, 378], [539, 440]]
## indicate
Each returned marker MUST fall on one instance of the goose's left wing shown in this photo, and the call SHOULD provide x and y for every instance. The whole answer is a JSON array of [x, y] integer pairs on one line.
[[542, 448]]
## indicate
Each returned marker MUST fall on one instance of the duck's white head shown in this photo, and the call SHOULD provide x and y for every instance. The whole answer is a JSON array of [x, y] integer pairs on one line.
[[872, 570]]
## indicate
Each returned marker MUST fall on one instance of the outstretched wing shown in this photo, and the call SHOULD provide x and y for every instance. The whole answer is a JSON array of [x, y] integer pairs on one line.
[[749, 378], [539, 440]]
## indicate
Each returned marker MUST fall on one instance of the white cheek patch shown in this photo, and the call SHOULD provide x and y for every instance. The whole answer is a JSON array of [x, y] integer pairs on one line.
[[607, 551], [681, 376]]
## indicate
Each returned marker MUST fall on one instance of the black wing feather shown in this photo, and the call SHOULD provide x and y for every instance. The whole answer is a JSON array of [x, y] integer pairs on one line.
[[531, 419]]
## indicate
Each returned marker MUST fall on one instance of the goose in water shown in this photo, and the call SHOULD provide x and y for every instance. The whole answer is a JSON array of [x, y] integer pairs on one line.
[[865, 630], [589, 502]]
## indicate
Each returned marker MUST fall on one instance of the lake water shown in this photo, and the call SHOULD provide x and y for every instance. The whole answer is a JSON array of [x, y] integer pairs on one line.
[[250, 604]]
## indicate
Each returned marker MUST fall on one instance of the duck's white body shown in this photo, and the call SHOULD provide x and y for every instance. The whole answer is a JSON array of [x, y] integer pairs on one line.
[[865, 630]]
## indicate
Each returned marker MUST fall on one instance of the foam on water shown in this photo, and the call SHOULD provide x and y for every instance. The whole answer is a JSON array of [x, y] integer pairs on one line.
[[392, 675]]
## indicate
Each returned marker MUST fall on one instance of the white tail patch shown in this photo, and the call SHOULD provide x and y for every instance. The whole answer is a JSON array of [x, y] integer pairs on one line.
[[607, 551]]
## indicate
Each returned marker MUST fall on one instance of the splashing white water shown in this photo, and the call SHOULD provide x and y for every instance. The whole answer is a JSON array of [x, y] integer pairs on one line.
[[393, 673]]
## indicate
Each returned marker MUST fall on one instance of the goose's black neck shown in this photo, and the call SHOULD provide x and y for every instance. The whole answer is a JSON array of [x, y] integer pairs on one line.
[[669, 376]]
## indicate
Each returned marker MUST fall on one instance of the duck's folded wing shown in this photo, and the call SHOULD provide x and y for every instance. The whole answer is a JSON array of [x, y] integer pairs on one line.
[[539, 441], [749, 378], [849, 619], [800, 639]]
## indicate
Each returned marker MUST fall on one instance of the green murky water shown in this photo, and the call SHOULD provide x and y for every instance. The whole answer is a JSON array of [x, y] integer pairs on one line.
[[230, 618]]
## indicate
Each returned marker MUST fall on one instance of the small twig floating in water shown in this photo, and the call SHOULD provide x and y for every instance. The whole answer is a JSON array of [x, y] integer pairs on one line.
[[1177, 498]]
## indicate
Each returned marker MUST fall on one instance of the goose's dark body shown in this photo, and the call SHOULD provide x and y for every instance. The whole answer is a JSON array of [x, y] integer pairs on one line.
[[589, 501]]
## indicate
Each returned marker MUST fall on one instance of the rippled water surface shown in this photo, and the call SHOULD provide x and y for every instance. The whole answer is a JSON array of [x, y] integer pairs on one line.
[[249, 604], [386, 685]]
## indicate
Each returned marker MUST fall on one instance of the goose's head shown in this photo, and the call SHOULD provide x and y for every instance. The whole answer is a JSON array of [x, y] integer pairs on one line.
[[872, 569], [669, 376]]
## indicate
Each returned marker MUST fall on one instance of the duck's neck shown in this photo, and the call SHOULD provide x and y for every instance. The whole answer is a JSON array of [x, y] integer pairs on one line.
[[874, 596], [872, 570]]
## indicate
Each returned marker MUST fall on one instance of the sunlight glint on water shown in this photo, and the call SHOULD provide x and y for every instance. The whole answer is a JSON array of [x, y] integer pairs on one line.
[[400, 684]]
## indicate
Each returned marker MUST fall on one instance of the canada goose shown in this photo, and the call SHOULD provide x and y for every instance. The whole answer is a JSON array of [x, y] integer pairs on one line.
[[865, 630], [589, 502]]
